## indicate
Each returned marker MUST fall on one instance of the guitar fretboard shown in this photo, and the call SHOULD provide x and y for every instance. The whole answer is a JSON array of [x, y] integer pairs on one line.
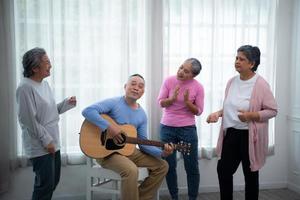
[[132, 140]]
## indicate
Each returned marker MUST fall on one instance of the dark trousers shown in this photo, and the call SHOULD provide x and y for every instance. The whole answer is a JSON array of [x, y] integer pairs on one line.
[[188, 135], [234, 151], [47, 174]]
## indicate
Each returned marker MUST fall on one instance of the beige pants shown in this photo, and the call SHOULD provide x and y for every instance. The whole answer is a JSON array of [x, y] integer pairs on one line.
[[127, 167]]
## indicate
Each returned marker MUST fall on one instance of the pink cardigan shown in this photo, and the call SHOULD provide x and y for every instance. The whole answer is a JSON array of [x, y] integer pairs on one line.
[[263, 101]]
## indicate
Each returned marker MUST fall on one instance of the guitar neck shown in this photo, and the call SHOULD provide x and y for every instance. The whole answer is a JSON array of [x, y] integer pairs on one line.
[[133, 140]]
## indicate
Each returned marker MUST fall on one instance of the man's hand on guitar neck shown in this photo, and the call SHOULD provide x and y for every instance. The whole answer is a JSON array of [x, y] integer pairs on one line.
[[168, 149], [115, 132]]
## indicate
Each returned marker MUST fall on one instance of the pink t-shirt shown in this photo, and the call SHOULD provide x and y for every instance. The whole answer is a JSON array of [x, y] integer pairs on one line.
[[177, 114]]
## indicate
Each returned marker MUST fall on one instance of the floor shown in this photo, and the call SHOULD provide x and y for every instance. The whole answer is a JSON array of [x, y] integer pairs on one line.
[[276, 194], [74, 189]]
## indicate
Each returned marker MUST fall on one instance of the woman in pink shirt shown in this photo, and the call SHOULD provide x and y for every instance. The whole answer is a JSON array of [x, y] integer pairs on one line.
[[182, 97], [248, 105]]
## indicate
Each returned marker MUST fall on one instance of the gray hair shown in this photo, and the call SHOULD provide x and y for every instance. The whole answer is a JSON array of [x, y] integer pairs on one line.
[[32, 59], [137, 75], [196, 65]]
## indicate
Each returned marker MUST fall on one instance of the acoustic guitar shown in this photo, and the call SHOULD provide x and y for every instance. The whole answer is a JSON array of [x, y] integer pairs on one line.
[[95, 143]]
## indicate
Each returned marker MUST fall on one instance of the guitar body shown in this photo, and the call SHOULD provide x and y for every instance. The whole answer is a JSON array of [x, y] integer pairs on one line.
[[96, 144]]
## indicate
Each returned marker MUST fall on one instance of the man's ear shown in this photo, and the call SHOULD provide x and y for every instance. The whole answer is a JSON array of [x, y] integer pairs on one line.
[[125, 86]]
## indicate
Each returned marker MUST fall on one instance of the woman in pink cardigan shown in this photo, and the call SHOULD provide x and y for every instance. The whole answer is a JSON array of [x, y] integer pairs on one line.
[[248, 105]]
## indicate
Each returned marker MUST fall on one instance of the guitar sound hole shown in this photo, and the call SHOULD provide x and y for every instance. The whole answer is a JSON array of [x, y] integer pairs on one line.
[[110, 145]]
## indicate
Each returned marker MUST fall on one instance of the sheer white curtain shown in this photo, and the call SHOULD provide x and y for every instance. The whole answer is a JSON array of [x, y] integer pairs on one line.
[[7, 85], [93, 46], [212, 31]]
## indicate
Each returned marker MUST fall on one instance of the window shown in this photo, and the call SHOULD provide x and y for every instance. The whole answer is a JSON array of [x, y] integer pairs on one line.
[[212, 31], [95, 45]]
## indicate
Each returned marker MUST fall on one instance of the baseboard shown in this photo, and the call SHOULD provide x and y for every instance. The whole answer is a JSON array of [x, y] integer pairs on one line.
[[208, 189], [294, 187], [4, 187], [69, 197], [277, 185], [203, 189]]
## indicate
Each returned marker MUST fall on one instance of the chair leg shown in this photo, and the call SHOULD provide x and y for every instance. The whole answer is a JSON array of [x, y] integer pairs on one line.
[[115, 186], [89, 192], [114, 197], [157, 195], [89, 195]]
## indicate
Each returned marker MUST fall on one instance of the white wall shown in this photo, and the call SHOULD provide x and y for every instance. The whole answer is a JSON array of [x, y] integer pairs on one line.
[[294, 112]]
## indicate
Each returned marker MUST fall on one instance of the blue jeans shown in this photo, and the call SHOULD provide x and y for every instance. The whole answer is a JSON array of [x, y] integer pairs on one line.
[[47, 174], [187, 134]]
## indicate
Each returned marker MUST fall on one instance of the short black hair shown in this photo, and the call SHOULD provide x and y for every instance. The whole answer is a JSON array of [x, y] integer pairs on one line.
[[252, 53]]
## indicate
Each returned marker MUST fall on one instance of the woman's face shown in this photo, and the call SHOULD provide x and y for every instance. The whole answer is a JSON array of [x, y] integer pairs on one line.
[[185, 72], [43, 70], [242, 64]]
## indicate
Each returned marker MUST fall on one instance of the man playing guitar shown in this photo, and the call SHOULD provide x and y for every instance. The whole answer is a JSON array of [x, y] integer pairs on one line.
[[126, 110]]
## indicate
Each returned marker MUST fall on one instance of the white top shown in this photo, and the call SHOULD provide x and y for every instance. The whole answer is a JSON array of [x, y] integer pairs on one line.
[[238, 98], [38, 116]]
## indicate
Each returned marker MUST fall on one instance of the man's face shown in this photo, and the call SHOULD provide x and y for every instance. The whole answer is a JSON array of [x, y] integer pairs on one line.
[[135, 87]]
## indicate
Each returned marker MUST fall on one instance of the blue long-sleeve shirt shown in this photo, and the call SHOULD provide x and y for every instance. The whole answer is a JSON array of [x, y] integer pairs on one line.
[[118, 109]]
